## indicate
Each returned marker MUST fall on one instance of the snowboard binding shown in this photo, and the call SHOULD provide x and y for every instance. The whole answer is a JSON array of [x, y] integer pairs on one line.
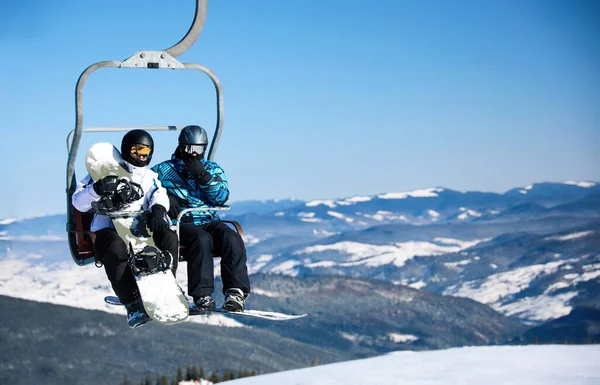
[[126, 192], [149, 261]]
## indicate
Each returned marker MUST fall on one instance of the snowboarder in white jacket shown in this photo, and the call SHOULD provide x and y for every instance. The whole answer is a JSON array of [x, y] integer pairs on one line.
[[137, 148]]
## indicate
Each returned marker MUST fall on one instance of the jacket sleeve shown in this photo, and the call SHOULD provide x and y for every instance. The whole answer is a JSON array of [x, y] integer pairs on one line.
[[216, 192], [157, 194], [84, 195]]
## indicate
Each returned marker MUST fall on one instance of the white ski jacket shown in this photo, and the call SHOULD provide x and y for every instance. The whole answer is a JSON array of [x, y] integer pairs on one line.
[[154, 194]]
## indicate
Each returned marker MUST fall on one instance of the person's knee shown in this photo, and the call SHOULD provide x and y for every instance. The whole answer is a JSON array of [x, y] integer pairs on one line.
[[233, 238], [170, 240], [114, 257], [195, 242], [116, 248], [108, 242], [201, 238]]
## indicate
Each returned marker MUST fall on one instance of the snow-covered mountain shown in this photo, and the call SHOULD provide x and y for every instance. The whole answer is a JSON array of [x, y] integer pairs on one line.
[[553, 192], [531, 253], [261, 206], [546, 252], [433, 204], [535, 277], [531, 277], [531, 365]]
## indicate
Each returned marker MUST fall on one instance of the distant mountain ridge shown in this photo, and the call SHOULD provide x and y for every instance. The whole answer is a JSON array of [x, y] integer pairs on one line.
[[261, 206], [552, 192], [416, 205]]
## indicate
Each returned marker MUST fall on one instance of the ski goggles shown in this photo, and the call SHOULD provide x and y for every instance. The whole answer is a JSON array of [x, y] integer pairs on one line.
[[193, 148], [141, 151]]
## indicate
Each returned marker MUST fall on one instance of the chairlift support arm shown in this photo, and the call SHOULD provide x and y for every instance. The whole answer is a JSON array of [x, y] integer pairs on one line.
[[165, 59]]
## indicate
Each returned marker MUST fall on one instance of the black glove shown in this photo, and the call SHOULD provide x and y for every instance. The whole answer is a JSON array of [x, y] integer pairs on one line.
[[196, 168], [107, 185], [156, 220], [175, 205]]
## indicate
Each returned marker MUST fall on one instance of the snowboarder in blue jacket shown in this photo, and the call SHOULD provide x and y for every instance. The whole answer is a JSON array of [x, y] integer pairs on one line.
[[195, 182]]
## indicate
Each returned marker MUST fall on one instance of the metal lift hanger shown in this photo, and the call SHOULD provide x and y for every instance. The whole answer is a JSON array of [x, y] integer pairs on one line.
[[165, 59]]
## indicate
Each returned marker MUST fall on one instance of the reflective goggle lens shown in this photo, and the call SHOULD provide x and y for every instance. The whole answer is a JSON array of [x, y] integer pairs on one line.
[[141, 150], [194, 148]]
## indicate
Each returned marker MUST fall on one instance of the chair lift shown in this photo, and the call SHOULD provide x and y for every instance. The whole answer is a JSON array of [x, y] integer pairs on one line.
[[78, 224]]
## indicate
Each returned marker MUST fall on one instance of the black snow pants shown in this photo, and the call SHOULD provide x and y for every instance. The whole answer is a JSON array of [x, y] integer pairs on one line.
[[113, 252], [200, 243]]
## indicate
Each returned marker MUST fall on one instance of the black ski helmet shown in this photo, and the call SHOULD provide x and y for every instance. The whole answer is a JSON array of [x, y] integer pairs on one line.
[[193, 135], [136, 137], [192, 140]]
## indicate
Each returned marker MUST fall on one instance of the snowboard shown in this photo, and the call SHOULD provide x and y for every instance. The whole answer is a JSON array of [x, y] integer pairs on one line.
[[267, 315], [162, 299]]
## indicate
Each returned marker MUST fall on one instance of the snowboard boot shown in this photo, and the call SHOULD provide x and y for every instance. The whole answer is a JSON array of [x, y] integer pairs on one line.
[[205, 304], [136, 315], [234, 300]]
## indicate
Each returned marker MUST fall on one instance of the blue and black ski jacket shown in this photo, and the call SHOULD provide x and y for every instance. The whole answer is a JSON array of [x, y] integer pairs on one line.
[[179, 182]]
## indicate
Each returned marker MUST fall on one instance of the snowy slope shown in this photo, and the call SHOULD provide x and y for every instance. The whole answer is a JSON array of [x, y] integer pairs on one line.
[[545, 280], [527, 365], [499, 290], [355, 253], [532, 277], [28, 277]]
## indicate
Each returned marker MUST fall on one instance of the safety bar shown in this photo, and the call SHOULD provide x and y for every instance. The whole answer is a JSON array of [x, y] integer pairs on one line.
[[133, 213], [198, 209], [121, 214]]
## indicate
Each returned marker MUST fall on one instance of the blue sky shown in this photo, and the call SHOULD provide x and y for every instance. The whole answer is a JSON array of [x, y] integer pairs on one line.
[[323, 99]]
